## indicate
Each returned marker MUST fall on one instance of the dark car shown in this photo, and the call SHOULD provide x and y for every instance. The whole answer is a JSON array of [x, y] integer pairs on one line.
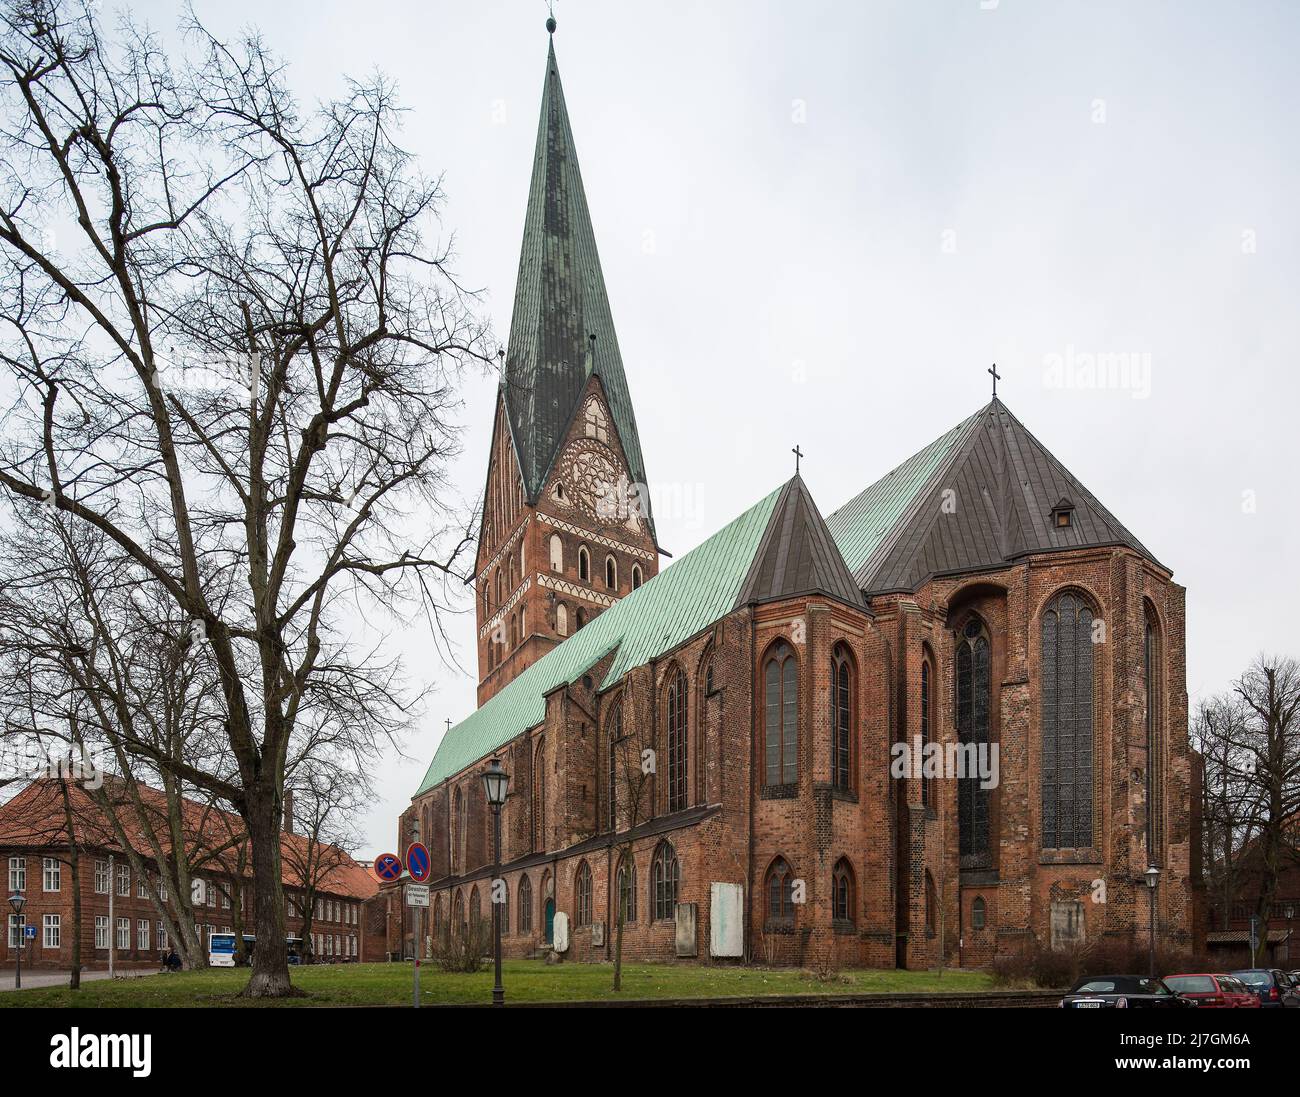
[[1123, 992], [1272, 985], [1210, 991]]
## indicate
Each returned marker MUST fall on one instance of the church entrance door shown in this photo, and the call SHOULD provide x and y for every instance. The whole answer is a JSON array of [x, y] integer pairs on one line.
[[550, 921]]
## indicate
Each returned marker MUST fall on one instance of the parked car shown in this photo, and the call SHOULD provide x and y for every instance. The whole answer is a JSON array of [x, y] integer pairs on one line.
[[1272, 986], [1245, 998], [1212, 991], [1123, 992]]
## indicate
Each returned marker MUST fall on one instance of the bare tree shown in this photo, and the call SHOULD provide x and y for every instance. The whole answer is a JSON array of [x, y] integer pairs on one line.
[[1250, 741], [634, 777], [235, 354]]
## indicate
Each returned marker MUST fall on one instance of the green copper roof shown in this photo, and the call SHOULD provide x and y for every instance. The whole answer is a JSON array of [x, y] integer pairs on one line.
[[861, 525], [560, 303], [679, 602]]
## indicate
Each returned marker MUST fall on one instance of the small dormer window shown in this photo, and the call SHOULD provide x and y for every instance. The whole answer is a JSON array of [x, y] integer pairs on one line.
[[1063, 514]]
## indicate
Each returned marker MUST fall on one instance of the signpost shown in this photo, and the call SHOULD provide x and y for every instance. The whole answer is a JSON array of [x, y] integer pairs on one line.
[[417, 895], [417, 862], [388, 867]]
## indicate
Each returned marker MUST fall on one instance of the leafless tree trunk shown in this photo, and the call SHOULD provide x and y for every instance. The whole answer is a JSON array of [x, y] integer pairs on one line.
[[635, 777], [235, 355]]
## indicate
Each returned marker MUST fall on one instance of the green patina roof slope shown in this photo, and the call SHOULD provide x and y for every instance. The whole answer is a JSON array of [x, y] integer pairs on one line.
[[862, 525], [679, 602], [560, 302]]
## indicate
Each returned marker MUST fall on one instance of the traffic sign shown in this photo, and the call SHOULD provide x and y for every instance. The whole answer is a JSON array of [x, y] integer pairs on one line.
[[417, 895], [29, 932], [417, 862], [388, 866]]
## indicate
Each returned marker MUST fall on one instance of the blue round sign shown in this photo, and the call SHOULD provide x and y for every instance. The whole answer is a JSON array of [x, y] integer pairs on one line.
[[388, 866], [417, 862]]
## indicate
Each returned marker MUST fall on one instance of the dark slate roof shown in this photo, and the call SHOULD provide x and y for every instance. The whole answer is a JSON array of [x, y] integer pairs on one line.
[[560, 302], [1004, 485], [797, 555]]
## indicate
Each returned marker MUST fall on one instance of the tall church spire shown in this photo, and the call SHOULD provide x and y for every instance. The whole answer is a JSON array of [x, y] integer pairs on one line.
[[562, 330]]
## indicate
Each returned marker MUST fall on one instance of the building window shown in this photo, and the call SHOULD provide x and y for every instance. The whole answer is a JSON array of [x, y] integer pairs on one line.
[[626, 889], [141, 888], [665, 879], [504, 908], [978, 913], [636, 577], [162, 934], [582, 896], [781, 716], [562, 620], [842, 691], [17, 874], [475, 907], [931, 904], [611, 573], [51, 874], [1155, 740], [101, 931], [557, 553], [142, 935], [927, 698], [17, 923], [579, 619], [779, 887], [584, 564], [459, 820], [124, 880], [514, 630], [974, 685], [614, 733], [1067, 685], [525, 905], [124, 934], [53, 931], [843, 901], [539, 800], [677, 740]]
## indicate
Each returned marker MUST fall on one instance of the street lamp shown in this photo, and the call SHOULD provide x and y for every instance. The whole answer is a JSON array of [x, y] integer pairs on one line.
[[18, 900], [1290, 913], [495, 782], [1153, 878]]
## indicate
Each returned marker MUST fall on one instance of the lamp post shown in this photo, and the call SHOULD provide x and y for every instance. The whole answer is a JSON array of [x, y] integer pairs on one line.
[[495, 782], [1153, 878], [1290, 913], [18, 900]]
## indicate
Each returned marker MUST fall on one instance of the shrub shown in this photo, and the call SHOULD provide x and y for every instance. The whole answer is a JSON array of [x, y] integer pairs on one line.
[[461, 948]]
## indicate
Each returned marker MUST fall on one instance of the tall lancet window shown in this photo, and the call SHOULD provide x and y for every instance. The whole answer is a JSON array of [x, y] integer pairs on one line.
[[1067, 674], [1155, 741], [974, 685]]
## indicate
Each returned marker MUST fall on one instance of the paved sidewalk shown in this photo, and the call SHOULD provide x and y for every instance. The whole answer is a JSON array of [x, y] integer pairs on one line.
[[46, 978]]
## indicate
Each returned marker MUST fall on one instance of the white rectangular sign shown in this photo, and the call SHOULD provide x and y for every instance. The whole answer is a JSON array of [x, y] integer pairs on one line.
[[417, 895]]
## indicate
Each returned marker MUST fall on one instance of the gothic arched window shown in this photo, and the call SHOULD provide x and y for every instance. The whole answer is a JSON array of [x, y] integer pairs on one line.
[[1067, 688], [458, 833], [503, 907], [779, 888], [562, 620], [584, 564], [611, 573], [625, 889], [582, 896], [475, 908], [842, 692], [1151, 662], [843, 892], [781, 716], [557, 553], [978, 913], [974, 701], [931, 904], [665, 879], [677, 738], [927, 699], [614, 733], [539, 800], [636, 576], [525, 905]]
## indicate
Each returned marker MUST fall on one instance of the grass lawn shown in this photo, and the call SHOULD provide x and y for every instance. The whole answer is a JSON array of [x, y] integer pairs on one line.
[[524, 980]]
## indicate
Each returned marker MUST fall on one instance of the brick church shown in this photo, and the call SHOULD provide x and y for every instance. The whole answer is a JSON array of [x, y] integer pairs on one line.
[[942, 721]]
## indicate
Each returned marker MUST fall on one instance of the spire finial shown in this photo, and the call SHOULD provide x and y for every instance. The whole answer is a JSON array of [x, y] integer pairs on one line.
[[996, 378], [798, 456], [550, 18]]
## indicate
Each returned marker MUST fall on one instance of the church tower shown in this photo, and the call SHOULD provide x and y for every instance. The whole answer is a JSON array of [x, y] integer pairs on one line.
[[567, 527]]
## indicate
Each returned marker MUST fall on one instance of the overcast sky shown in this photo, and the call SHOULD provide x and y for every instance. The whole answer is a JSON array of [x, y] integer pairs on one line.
[[821, 222]]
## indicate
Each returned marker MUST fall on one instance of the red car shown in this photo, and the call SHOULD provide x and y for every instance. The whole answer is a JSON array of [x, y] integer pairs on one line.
[[1214, 991]]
